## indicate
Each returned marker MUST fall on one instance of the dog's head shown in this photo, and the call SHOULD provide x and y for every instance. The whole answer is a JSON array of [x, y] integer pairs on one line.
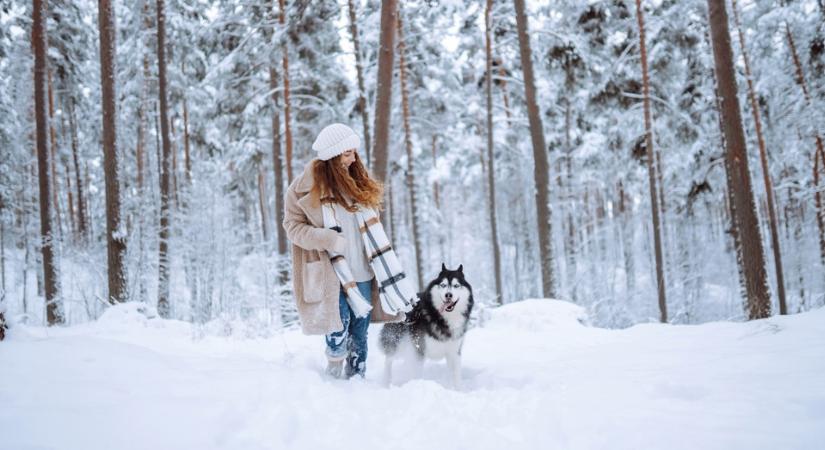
[[449, 289]]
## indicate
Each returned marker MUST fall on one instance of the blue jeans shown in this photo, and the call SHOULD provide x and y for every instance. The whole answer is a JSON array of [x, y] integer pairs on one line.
[[351, 342]]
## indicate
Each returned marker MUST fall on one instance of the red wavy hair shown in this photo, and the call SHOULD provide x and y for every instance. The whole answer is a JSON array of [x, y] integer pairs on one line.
[[332, 181]]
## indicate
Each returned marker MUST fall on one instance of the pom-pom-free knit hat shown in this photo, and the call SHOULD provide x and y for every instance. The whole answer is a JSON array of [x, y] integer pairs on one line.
[[335, 139]]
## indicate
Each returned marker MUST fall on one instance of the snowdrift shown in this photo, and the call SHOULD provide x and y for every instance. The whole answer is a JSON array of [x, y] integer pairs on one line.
[[536, 376]]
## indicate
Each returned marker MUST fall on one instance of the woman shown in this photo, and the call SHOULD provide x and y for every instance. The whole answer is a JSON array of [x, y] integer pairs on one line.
[[335, 187]]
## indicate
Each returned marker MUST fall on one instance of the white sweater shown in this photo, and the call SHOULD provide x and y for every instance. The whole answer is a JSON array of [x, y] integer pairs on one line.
[[355, 252]]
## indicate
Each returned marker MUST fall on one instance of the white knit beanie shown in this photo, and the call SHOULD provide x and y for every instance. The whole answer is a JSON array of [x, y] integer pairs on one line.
[[335, 139]]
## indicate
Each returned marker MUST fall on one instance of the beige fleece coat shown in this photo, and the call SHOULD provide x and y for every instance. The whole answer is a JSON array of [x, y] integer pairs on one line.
[[314, 282]]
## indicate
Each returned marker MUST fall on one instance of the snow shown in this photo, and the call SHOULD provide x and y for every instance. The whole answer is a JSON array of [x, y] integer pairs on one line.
[[536, 376]]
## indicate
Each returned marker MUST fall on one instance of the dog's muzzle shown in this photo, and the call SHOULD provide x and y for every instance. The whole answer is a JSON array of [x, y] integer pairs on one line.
[[449, 303]]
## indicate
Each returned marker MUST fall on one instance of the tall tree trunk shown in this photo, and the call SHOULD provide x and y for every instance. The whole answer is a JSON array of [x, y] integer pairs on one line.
[[359, 70], [69, 198], [491, 179], [568, 192], [140, 147], [287, 104], [54, 311], [436, 199], [67, 173], [820, 147], [82, 228], [187, 160], [818, 166], [115, 236], [541, 169], [262, 203], [383, 92], [277, 168], [173, 139], [405, 104], [759, 301], [654, 202], [165, 172], [53, 168], [627, 240], [763, 158]]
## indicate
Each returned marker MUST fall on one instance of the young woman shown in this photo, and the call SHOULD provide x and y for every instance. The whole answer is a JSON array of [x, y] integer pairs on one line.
[[332, 188]]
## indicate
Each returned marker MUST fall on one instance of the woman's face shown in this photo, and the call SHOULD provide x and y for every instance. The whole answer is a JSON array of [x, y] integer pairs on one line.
[[348, 157]]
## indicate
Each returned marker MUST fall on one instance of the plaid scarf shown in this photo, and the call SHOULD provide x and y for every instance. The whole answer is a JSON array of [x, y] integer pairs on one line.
[[361, 307], [394, 289]]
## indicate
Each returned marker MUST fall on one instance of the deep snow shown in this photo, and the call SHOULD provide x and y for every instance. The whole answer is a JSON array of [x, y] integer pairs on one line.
[[535, 377]]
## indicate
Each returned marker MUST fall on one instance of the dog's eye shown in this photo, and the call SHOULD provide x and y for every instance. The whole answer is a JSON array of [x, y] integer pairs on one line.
[[443, 285]]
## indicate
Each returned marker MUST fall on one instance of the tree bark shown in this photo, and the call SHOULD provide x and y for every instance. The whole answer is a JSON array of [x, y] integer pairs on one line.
[[627, 240], [820, 147], [758, 296], [405, 103], [262, 203], [187, 160], [277, 168], [115, 236], [165, 173], [491, 179], [82, 227], [541, 168], [651, 170], [766, 175], [383, 96], [53, 163], [54, 313], [359, 70], [287, 104]]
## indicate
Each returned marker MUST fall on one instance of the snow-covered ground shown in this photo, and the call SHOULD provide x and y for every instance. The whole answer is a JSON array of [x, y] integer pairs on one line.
[[535, 378]]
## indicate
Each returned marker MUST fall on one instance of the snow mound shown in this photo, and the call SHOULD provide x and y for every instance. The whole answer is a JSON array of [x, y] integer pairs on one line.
[[539, 314], [126, 315]]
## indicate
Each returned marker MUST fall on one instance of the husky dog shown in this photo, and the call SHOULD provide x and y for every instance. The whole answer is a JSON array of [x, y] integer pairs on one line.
[[436, 325]]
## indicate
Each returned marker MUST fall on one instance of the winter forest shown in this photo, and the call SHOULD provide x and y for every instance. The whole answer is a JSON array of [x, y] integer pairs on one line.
[[586, 151], [634, 189]]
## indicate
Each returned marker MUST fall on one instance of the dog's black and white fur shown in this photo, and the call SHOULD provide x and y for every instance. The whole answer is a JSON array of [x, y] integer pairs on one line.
[[436, 325]]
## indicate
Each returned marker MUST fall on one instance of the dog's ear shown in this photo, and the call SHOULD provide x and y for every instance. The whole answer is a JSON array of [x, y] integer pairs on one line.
[[443, 267], [460, 268]]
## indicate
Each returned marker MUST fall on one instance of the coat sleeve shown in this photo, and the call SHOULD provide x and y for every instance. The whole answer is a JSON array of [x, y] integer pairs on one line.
[[300, 231]]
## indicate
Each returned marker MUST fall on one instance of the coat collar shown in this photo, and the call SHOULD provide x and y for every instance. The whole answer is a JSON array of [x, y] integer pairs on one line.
[[304, 182], [307, 200]]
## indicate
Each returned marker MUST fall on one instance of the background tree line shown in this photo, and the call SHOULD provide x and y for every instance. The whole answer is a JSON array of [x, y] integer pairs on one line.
[[650, 160]]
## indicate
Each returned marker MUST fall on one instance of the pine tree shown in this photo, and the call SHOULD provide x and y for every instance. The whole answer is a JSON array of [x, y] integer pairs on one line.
[[763, 159], [747, 224], [164, 308], [383, 97], [541, 167], [491, 179], [115, 235], [654, 202], [41, 106]]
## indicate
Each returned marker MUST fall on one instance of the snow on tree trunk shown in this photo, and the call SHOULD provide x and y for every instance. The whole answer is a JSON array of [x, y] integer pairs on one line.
[[359, 71], [287, 104], [165, 171], [763, 159], [405, 104], [747, 223], [541, 171], [51, 282], [491, 179], [383, 92], [654, 202], [115, 234]]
